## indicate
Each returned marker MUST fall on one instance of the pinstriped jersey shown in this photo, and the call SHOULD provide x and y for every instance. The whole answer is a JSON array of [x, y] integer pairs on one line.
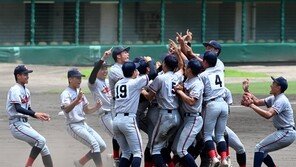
[[127, 94], [228, 96], [163, 86], [213, 79], [220, 65], [17, 94], [282, 106], [193, 88], [114, 75], [101, 91], [77, 114]]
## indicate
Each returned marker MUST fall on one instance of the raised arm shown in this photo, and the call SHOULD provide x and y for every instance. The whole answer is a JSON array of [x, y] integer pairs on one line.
[[97, 67]]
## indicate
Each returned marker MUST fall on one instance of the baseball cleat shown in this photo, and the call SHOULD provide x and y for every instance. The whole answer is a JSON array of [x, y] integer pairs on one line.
[[215, 162], [224, 163]]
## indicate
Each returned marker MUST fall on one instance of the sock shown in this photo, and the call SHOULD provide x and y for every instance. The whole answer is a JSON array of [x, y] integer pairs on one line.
[[85, 158], [96, 156], [268, 161], [189, 161], [47, 161], [124, 162], [158, 160], [222, 147], [33, 155], [147, 156], [210, 148], [227, 142], [258, 159], [115, 149], [166, 155], [241, 159], [136, 162]]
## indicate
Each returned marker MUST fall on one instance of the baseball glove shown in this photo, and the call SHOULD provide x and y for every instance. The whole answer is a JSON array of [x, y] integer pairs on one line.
[[246, 100], [245, 85]]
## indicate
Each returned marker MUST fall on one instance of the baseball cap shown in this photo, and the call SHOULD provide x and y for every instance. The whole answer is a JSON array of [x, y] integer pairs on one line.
[[210, 57], [21, 69], [142, 64], [129, 67], [118, 49], [195, 66], [73, 72], [281, 81], [214, 44]]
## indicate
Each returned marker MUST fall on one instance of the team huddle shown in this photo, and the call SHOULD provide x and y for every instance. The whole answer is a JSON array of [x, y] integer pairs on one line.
[[181, 103]]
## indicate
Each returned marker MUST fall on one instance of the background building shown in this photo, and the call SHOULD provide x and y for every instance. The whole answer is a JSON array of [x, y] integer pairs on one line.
[[67, 32]]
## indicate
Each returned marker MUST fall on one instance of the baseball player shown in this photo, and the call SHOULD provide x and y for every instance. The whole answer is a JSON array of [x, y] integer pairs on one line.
[[169, 118], [120, 55], [127, 94], [18, 107], [216, 109], [191, 95], [232, 139], [99, 87], [281, 112], [75, 106], [147, 114]]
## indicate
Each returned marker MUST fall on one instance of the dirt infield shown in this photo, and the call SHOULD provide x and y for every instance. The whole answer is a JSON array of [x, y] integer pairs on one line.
[[47, 82]]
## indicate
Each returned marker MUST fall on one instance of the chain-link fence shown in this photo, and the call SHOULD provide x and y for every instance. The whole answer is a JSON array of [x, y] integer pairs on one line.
[[100, 22]]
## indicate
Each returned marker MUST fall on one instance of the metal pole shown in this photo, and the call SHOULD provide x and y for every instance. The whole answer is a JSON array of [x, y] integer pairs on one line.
[[162, 22], [120, 15], [203, 20], [32, 39], [243, 30], [283, 21], [77, 14]]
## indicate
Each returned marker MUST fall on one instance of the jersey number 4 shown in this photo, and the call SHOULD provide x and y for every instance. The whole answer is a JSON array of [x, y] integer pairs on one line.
[[218, 81], [121, 91]]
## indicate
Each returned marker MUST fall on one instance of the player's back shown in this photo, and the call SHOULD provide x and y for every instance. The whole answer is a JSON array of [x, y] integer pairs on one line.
[[213, 80], [127, 94], [163, 86]]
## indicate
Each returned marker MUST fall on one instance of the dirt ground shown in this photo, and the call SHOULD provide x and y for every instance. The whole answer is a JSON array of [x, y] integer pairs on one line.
[[47, 82]]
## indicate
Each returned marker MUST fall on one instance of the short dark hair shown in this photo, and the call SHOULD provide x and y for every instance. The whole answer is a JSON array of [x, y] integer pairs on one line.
[[195, 66], [171, 62], [211, 58]]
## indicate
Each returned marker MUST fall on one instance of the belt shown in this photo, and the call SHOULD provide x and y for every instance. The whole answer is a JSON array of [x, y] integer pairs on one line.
[[192, 114], [22, 119], [286, 128], [170, 111], [124, 114], [213, 99]]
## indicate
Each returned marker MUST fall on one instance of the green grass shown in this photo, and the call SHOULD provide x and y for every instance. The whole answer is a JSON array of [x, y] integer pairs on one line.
[[260, 88], [236, 73], [86, 72]]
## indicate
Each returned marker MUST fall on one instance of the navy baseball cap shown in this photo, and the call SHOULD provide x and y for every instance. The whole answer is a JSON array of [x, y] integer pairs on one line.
[[214, 44], [73, 72], [142, 64], [282, 82], [210, 57], [195, 66], [117, 50], [129, 67], [21, 69]]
